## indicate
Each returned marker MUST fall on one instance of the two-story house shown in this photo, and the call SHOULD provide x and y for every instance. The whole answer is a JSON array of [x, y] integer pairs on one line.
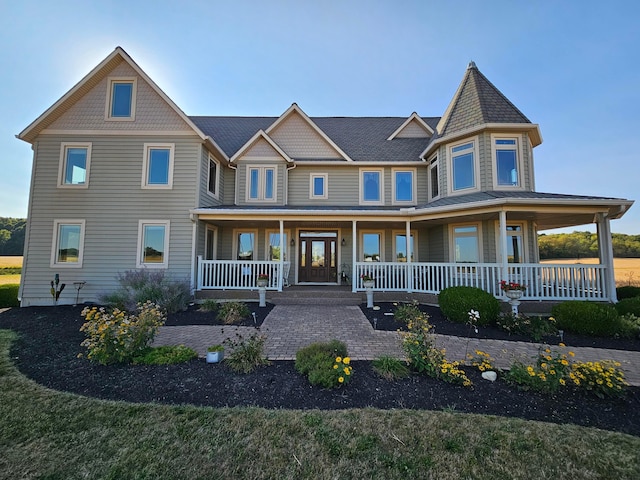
[[123, 179]]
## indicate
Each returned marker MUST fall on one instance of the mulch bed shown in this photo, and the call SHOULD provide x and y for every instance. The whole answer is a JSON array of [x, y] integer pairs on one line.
[[49, 344]]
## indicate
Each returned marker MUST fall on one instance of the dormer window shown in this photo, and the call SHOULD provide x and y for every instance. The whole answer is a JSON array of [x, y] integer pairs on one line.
[[506, 169], [121, 99]]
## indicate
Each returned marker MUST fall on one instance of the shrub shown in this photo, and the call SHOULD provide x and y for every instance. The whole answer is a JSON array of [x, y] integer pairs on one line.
[[165, 355], [390, 368], [116, 336], [233, 312], [627, 291], [209, 306], [425, 358], [324, 363], [456, 302], [629, 305], [534, 327], [9, 295], [140, 286], [602, 378], [247, 354], [589, 318], [406, 312]]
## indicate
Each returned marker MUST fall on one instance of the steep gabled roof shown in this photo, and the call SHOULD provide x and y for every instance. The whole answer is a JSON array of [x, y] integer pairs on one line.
[[260, 135], [476, 102], [414, 119]]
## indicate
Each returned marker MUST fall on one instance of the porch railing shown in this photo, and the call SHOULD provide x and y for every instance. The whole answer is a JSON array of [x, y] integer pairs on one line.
[[237, 274]]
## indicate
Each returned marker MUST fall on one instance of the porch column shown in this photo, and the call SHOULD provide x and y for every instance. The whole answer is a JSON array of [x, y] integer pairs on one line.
[[605, 251], [353, 256], [409, 269], [503, 246], [282, 247]]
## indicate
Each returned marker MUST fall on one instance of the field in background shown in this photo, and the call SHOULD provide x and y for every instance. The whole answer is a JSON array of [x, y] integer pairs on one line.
[[627, 270], [6, 262]]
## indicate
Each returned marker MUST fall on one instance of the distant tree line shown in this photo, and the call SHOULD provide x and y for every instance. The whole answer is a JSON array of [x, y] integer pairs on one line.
[[585, 245], [12, 235]]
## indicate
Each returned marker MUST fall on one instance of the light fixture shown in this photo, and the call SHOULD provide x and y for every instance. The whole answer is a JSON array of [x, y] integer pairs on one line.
[[292, 243], [344, 242]]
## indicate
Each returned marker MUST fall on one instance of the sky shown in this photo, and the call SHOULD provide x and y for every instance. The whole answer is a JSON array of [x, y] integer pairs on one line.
[[573, 67]]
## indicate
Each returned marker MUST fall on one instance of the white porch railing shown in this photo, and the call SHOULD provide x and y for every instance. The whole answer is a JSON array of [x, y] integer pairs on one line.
[[238, 274]]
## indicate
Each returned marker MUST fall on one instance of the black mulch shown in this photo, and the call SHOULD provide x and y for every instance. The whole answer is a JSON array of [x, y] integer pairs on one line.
[[50, 342]]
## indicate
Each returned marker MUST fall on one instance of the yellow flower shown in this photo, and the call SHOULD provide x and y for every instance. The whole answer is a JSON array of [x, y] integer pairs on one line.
[[564, 362], [346, 360], [341, 379], [338, 359], [561, 344], [335, 367], [347, 371], [571, 354]]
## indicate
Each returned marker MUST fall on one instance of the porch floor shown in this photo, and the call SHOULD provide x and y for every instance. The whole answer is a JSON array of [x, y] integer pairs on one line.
[[291, 327]]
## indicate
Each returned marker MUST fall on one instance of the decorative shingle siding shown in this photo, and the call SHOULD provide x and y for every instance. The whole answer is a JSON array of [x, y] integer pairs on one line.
[[296, 137], [262, 149], [413, 130]]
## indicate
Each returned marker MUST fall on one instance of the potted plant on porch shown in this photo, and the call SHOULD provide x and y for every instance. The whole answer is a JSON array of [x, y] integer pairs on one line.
[[367, 280], [215, 353], [263, 280]]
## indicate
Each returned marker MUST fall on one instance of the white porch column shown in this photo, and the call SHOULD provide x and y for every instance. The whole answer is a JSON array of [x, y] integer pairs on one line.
[[282, 247], [354, 240], [605, 250], [503, 245], [409, 270]]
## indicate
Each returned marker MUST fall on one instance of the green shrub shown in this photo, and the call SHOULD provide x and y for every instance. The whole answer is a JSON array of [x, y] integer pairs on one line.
[[209, 305], [629, 305], [140, 286], [165, 355], [233, 312], [247, 354], [390, 368], [456, 302], [534, 327], [116, 336], [9, 295], [627, 291], [325, 363], [589, 318], [406, 312]]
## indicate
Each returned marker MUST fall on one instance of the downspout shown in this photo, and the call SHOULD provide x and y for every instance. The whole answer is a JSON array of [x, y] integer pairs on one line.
[[194, 260], [503, 247], [409, 252]]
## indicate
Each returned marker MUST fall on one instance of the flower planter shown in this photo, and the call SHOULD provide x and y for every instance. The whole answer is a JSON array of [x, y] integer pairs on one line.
[[262, 283], [215, 357], [514, 294], [368, 283]]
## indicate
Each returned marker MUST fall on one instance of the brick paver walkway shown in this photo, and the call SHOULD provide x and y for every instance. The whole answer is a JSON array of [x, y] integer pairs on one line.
[[290, 327]]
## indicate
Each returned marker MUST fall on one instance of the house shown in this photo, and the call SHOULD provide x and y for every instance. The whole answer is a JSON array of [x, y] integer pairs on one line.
[[123, 179]]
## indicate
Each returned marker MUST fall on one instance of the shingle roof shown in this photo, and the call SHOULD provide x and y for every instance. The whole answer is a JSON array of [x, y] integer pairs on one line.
[[477, 102]]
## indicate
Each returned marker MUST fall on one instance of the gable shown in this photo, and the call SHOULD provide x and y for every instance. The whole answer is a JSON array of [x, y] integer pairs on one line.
[[152, 111], [261, 149], [413, 130], [296, 137]]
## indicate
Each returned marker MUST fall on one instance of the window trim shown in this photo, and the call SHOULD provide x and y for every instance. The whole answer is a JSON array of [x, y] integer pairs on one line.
[[434, 164], [361, 235], [64, 147], [111, 81], [414, 234], [476, 167], [146, 162], [56, 241], [139, 256], [262, 178], [236, 232], [215, 194], [519, 160], [523, 234], [380, 171], [394, 200], [452, 241], [325, 189], [267, 236]]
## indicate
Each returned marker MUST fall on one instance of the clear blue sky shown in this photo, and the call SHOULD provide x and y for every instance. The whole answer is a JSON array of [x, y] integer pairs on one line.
[[573, 67]]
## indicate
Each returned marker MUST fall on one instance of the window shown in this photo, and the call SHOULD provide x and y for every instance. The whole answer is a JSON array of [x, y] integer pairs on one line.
[[158, 166], [210, 243], [262, 185], [74, 165], [371, 247], [466, 245], [434, 179], [245, 245], [515, 245], [318, 186], [153, 244], [371, 186], [68, 243], [400, 241], [403, 186], [506, 171], [121, 99], [213, 179], [274, 247], [463, 166]]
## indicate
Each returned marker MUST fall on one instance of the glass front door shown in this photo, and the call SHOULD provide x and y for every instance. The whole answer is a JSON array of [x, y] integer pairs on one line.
[[317, 262]]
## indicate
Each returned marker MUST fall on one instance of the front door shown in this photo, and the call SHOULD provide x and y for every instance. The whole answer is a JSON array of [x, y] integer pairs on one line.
[[317, 261]]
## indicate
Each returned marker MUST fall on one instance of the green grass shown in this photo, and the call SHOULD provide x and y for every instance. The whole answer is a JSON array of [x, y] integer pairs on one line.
[[48, 434], [9, 295]]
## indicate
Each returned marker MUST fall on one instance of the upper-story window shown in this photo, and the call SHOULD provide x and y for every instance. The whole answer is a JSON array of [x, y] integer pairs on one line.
[[74, 165], [121, 99], [213, 179], [434, 179], [403, 186], [371, 186], [463, 167], [506, 167], [157, 171], [261, 184], [318, 186]]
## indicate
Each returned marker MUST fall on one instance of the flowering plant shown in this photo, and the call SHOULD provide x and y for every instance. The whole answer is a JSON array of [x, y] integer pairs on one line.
[[263, 276], [343, 370], [506, 286], [366, 277]]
